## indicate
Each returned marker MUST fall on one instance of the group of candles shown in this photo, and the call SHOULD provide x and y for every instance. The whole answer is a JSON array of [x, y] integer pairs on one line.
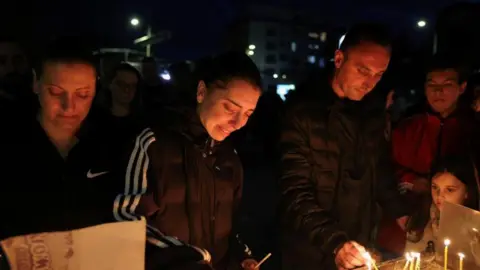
[[461, 256], [413, 259]]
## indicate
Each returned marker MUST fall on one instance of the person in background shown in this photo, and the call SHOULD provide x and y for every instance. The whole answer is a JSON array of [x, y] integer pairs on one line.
[[15, 75], [453, 180], [50, 181], [335, 164], [119, 115], [474, 87], [444, 128], [194, 176], [154, 90]]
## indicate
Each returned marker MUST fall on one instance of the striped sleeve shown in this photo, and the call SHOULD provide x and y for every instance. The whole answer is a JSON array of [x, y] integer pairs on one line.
[[135, 186]]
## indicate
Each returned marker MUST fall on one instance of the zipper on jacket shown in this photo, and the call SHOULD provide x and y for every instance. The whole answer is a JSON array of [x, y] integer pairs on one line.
[[209, 144]]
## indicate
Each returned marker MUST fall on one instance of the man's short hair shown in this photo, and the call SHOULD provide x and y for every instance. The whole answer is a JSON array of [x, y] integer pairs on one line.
[[366, 32], [68, 50], [442, 62]]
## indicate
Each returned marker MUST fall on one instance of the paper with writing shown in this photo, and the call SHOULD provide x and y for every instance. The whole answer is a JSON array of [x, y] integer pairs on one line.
[[119, 246]]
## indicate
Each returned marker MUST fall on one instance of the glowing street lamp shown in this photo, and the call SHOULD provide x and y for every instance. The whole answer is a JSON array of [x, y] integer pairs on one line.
[[134, 21], [421, 23]]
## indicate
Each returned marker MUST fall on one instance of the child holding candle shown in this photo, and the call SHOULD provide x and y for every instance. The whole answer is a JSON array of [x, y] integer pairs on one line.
[[453, 180]]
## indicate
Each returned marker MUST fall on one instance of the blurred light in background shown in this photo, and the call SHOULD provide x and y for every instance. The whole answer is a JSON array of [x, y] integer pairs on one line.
[[165, 75]]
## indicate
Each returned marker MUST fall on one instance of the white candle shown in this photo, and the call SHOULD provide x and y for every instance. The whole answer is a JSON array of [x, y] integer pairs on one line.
[[447, 242], [461, 256], [407, 260], [417, 263]]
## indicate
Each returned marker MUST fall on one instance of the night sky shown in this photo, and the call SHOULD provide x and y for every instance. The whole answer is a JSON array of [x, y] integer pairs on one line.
[[196, 25]]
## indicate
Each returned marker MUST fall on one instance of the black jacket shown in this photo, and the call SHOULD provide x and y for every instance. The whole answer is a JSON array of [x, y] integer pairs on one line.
[[194, 184], [42, 192], [335, 168]]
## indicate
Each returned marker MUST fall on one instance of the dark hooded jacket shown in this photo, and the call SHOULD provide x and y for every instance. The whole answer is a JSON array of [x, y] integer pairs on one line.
[[194, 184], [335, 168]]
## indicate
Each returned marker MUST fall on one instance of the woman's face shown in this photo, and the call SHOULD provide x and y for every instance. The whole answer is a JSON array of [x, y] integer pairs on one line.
[[447, 188], [224, 110], [124, 87]]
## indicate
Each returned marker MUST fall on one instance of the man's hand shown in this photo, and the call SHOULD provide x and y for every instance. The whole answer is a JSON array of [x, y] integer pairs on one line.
[[249, 264], [402, 222], [350, 256]]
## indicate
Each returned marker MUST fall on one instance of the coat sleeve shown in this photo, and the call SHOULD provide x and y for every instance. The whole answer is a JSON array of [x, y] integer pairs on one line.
[[301, 211], [239, 251], [162, 250]]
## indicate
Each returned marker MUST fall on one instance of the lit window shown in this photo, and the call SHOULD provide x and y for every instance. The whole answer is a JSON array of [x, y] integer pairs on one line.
[[313, 35], [323, 36], [294, 46], [311, 59], [283, 89], [321, 62]]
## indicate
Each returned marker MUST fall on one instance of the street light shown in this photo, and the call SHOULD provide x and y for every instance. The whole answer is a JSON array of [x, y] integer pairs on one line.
[[134, 22], [421, 23]]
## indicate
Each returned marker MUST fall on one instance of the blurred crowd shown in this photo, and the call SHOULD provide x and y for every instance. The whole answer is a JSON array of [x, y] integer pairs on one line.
[[226, 173]]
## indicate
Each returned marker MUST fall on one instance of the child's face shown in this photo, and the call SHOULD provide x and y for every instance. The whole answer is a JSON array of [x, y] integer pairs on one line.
[[446, 187]]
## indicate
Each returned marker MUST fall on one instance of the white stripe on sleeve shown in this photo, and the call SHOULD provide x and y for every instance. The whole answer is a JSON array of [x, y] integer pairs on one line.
[[135, 186]]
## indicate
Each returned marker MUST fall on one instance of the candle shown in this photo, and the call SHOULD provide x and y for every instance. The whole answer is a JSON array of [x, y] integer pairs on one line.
[[370, 261], [445, 255], [407, 260], [417, 263], [412, 260], [461, 256]]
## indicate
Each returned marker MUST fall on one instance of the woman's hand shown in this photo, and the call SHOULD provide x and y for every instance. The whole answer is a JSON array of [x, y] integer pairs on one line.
[[249, 264]]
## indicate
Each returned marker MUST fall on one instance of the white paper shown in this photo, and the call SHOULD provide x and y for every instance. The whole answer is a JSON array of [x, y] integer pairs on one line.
[[119, 246], [461, 225]]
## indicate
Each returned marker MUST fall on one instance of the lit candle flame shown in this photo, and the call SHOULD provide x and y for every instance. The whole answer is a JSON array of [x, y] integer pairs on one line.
[[370, 263], [417, 263], [408, 260], [413, 256], [447, 242]]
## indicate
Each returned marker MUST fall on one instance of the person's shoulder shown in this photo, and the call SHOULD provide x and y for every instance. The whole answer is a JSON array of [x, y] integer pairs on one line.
[[228, 148], [407, 125], [306, 108], [411, 121]]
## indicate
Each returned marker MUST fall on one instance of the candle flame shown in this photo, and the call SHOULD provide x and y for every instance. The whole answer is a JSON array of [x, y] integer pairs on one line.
[[447, 242], [461, 255]]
